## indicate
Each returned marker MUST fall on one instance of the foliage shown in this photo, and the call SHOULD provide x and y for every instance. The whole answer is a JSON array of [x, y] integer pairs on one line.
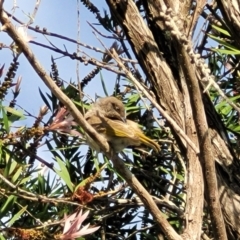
[[37, 192]]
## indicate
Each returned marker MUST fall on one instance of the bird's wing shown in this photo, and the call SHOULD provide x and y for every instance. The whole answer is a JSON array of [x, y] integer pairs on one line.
[[119, 129]]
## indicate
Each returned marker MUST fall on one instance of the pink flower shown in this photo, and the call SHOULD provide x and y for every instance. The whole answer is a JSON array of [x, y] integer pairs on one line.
[[63, 122], [73, 224]]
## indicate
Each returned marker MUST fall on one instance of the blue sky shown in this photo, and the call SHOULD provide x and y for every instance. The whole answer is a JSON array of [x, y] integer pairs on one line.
[[59, 17]]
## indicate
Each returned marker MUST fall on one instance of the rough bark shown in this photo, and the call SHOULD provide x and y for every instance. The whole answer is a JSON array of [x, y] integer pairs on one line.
[[159, 56], [169, 95]]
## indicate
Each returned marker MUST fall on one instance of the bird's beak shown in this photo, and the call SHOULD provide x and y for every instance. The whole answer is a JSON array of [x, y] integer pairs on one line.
[[124, 119], [120, 118]]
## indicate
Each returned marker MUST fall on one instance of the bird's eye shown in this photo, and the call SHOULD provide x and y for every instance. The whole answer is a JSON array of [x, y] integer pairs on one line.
[[116, 107]]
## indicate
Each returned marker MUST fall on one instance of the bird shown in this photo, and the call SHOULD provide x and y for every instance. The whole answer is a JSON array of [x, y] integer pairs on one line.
[[108, 117]]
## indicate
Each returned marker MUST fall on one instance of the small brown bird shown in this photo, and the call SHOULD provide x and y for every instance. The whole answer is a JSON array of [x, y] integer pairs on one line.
[[107, 116]]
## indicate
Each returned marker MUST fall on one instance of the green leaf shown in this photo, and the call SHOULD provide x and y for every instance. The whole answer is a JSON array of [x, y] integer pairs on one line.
[[180, 177], [41, 184], [24, 180], [235, 51], [2, 237], [224, 107], [5, 120], [133, 109], [81, 104], [226, 51], [54, 101], [226, 110], [63, 173], [164, 170], [15, 112], [17, 174], [133, 99], [103, 84], [16, 216], [13, 165], [7, 205], [44, 99], [223, 31], [236, 129]]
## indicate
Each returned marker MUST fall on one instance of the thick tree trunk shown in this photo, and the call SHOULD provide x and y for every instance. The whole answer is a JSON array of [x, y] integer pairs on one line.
[[171, 98], [175, 75]]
